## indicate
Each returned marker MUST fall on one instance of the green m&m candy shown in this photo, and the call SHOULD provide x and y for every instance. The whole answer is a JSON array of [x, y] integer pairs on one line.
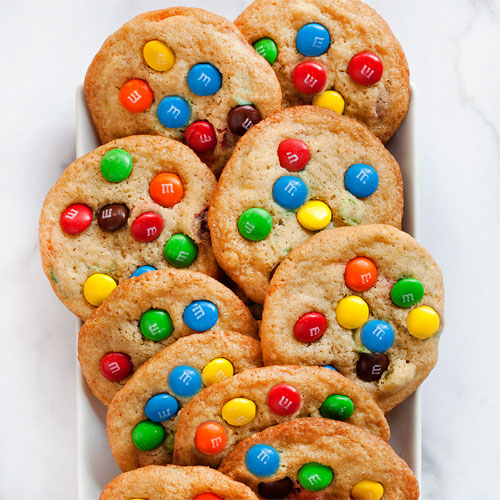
[[156, 324], [255, 224], [116, 165], [407, 292], [148, 435], [337, 407], [267, 48], [180, 251], [315, 477]]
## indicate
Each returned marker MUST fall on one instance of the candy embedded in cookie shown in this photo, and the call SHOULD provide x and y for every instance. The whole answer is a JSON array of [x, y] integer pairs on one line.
[[298, 172], [135, 204], [148, 313], [142, 417], [368, 300], [222, 415], [183, 73], [334, 54], [320, 458]]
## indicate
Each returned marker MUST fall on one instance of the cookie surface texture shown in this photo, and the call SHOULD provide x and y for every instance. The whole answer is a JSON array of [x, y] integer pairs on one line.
[[182, 302], [336, 53], [303, 166], [381, 297], [180, 72], [324, 458], [255, 399]]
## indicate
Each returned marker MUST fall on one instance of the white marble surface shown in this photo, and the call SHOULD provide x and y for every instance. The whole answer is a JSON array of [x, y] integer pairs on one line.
[[452, 48]]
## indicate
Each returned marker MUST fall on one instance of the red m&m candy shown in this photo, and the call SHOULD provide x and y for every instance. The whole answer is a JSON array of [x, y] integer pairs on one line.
[[310, 327], [136, 95], [76, 218], [200, 137], [360, 274], [293, 154], [309, 77], [210, 438], [366, 68], [283, 399], [147, 227], [116, 366]]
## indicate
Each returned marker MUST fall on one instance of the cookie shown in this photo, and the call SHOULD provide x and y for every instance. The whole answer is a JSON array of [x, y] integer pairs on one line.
[[183, 73], [182, 483], [142, 417], [129, 206], [338, 54], [321, 459], [148, 313], [293, 174], [368, 300], [218, 418]]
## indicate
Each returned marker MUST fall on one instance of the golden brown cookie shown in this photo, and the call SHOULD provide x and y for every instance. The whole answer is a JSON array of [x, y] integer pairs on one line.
[[368, 300], [321, 459], [134, 202], [335, 53], [293, 174], [142, 417], [148, 313], [183, 73], [180, 483], [219, 417]]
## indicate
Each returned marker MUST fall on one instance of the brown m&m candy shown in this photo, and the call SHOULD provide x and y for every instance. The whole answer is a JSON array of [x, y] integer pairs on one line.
[[276, 489], [242, 118], [112, 217], [370, 367]]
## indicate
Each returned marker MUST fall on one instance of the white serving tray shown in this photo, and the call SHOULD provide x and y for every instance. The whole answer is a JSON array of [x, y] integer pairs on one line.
[[96, 466]]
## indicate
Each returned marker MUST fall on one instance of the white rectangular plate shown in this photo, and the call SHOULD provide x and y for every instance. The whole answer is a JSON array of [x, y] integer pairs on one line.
[[96, 466]]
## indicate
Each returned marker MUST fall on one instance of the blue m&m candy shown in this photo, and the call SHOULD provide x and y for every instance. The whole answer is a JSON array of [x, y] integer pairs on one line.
[[330, 367], [201, 315], [312, 40], [204, 79], [173, 112], [262, 460], [361, 180], [289, 192], [184, 381], [161, 407], [377, 336], [141, 270]]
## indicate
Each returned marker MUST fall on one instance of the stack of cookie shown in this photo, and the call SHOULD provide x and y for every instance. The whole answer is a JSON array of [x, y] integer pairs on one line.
[[249, 300]]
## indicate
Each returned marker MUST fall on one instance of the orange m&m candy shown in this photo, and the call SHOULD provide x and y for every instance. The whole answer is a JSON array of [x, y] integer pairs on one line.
[[136, 95], [166, 189], [210, 438], [360, 274], [207, 496]]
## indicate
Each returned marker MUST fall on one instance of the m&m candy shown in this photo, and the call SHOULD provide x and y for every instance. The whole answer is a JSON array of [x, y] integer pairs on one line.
[[267, 48], [242, 118], [76, 218], [180, 251], [309, 77], [293, 154], [201, 137], [314, 215], [156, 324], [310, 327], [184, 381], [377, 336], [370, 367], [116, 165], [262, 460], [367, 490], [337, 407], [313, 40], [158, 56], [289, 192], [166, 189], [366, 68], [161, 407], [148, 435], [314, 476], [330, 367], [210, 438], [112, 217], [217, 370], [147, 227], [352, 312], [136, 95], [360, 274], [239, 411], [330, 99], [275, 489], [173, 112], [361, 180], [115, 366], [255, 224], [407, 292], [204, 79], [207, 496], [97, 287], [141, 270], [283, 399], [201, 315], [422, 322]]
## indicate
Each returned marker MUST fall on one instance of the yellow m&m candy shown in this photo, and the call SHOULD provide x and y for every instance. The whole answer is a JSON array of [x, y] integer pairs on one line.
[[367, 490], [97, 288], [314, 215], [158, 56], [239, 411], [217, 370], [422, 322], [352, 312], [330, 99]]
